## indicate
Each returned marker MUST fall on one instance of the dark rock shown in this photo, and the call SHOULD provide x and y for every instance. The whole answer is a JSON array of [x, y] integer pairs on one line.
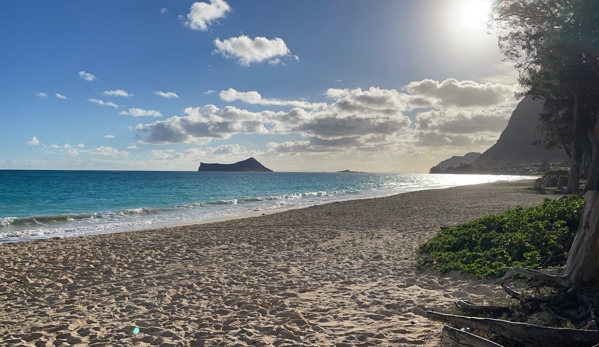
[[248, 165], [457, 160]]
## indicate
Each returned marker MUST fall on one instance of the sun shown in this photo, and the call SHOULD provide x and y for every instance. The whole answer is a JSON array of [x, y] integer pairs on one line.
[[475, 13]]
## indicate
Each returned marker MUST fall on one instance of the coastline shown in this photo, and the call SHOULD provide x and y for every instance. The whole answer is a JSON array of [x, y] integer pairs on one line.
[[92, 220], [338, 273]]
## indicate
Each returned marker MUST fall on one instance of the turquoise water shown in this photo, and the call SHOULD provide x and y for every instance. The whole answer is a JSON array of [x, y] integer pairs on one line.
[[38, 204]]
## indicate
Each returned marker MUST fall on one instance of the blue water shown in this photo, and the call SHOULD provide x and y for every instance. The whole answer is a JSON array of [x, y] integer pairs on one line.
[[39, 204]]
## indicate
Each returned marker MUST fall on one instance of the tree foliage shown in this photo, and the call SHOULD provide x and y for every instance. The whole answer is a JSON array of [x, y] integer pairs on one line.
[[555, 47]]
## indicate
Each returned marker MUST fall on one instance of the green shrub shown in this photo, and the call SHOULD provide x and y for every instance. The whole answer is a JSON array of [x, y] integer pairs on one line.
[[555, 178], [536, 237]]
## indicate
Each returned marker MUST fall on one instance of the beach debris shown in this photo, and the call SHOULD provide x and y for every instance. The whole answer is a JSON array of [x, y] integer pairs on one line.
[[531, 335]]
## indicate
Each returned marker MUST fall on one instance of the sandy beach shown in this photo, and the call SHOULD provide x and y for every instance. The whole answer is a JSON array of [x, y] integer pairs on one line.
[[342, 274]]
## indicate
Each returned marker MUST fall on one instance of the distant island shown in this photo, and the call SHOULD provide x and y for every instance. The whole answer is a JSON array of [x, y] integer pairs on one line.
[[349, 171], [248, 165]]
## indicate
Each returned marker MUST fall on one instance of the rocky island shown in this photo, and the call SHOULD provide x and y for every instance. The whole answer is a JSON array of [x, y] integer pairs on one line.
[[248, 165]]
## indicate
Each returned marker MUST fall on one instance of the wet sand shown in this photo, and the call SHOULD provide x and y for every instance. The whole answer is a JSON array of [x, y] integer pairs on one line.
[[342, 274]]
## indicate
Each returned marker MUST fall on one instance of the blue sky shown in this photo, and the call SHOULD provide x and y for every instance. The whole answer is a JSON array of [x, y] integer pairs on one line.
[[305, 85]]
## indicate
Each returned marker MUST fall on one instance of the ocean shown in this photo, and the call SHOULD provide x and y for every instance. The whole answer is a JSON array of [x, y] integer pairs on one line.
[[43, 204]]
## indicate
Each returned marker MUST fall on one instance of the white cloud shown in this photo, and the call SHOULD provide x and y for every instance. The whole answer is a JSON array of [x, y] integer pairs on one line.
[[138, 112], [33, 142], [325, 128], [86, 76], [208, 92], [229, 152], [455, 121], [201, 125], [80, 145], [450, 114], [42, 95], [106, 151], [60, 96], [373, 102], [132, 147], [254, 97], [249, 51], [103, 103], [118, 92], [201, 15], [109, 136], [168, 95], [461, 94], [73, 152], [164, 10]]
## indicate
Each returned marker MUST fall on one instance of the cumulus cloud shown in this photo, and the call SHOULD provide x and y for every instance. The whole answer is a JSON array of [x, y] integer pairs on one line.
[[109, 136], [168, 95], [249, 51], [333, 127], [103, 103], [229, 151], [164, 10], [200, 125], [455, 121], [132, 147], [80, 145], [208, 92], [42, 95], [461, 94], [254, 97], [448, 114], [33, 142], [138, 112], [201, 15], [372, 102], [436, 139], [106, 151], [118, 92], [60, 96], [86, 76], [324, 128]]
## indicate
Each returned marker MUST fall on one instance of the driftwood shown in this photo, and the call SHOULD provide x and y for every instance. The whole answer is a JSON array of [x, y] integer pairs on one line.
[[528, 334], [470, 308], [462, 338], [530, 300]]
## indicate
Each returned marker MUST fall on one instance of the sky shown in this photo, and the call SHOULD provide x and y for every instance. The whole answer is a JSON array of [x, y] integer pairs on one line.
[[377, 86]]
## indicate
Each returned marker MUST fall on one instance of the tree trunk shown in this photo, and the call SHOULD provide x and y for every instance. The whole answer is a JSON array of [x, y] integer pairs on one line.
[[582, 267], [584, 165], [593, 177], [576, 152]]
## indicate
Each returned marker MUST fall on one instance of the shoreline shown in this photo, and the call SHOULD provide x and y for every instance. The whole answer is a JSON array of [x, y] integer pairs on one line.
[[233, 216], [341, 273]]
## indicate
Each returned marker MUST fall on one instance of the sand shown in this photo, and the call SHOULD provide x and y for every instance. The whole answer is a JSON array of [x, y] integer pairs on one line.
[[342, 274]]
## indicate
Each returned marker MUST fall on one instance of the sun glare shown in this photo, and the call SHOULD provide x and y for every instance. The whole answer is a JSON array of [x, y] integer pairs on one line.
[[475, 13]]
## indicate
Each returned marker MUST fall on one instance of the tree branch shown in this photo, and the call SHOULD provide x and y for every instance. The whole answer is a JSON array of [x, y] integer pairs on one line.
[[511, 272]]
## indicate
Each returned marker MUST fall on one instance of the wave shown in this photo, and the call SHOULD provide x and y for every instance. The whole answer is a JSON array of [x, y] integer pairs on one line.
[[50, 220], [42, 226]]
